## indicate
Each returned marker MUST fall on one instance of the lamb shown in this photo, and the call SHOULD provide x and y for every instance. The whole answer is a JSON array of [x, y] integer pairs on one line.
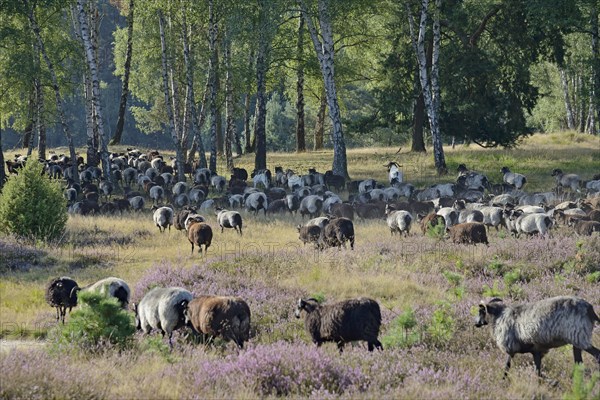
[[162, 309], [225, 316], [113, 287], [468, 233], [256, 202], [62, 294], [229, 219], [540, 326], [311, 205], [200, 234], [163, 218], [337, 232], [399, 221], [563, 180], [513, 179], [309, 234], [342, 322]]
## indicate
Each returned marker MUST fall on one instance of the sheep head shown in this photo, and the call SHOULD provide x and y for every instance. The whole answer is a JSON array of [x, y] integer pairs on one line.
[[493, 308], [307, 305]]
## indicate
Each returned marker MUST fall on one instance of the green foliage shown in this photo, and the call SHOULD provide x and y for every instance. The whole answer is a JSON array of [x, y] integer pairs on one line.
[[319, 297], [496, 266], [442, 325], [594, 277], [400, 331], [582, 389], [510, 279], [32, 206], [99, 321], [455, 279], [493, 291], [436, 232]]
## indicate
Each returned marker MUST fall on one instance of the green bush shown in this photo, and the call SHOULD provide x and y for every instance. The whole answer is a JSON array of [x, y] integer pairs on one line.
[[442, 325], [437, 232], [32, 206], [99, 321], [582, 389], [400, 331]]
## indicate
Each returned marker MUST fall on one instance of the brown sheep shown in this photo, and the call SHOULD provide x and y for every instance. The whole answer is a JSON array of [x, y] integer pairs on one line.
[[369, 211], [468, 233], [586, 228], [200, 234], [594, 215], [343, 210], [430, 220], [228, 317], [309, 234], [337, 232]]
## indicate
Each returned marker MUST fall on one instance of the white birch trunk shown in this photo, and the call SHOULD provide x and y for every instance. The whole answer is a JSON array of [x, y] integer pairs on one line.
[[229, 107], [567, 99], [212, 45], [165, 78], [90, 55]]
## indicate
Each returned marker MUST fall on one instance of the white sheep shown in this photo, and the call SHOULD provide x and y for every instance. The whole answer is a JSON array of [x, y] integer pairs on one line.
[[163, 218], [399, 221], [162, 309], [229, 219], [114, 287], [513, 179]]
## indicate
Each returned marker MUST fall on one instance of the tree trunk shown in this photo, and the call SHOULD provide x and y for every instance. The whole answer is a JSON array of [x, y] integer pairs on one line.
[[229, 107], [595, 78], [300, 134], [429, 81], [40, 123], [55, 88], [197, 143], [324, 47], [418, 144], [220, 142], [320, 124], [165, 79], [212, 45], [247, 133], [567, 99], [125, 84], [2, 170], [93, 69], [260, 159]]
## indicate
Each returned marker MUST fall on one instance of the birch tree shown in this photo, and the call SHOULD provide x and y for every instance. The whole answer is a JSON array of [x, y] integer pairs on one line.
[[430, 79], [324, 47], [91, 58], [212, 46], [300, 135], [229, 107]]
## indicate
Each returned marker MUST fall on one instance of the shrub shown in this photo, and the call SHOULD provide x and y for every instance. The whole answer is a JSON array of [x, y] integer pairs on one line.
[[436, 232], [99, 321], [442, 325], [581, 389], [399, 333], [32, 206]]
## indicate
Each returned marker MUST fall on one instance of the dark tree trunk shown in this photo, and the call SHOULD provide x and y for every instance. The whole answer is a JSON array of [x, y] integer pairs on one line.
[[125, 84], [247, 133], [220, 141], [2, 170], [300, 131], [595, 79], [320, 124], [197, 143], [418, 143], [59, 102]]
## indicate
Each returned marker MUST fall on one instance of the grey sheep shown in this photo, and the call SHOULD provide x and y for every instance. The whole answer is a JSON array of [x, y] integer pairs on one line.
[[163, 218], [180, 188], [162, 309], [71, 195], [137, 203], [533, 224], [157, 194], [563, 180], [367, 185], [309, 234], [181, 200], [218, 182], [224, 316], [540, 326], [329, 202], [293, 202], [337, 232], [113, 287], [200, 234], [342, 322], [311, 206], [61, 293], [319, 221], [450, 216], [513, 179], [256, 202], [468, 233], [492, 216], [399, 221], [229, 219]]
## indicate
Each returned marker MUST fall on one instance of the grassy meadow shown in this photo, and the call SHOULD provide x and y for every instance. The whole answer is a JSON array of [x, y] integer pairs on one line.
[[428, 290]]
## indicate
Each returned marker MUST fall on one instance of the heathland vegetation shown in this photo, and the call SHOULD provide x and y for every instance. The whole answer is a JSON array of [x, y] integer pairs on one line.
[[428, 289]]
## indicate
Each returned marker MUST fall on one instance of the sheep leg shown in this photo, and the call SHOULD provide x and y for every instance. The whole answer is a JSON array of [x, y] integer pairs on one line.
[[340, 346], [594, 352], [537, 360], [192, 248], [577, 355], [221, 228], [57, 314], [507, 366]]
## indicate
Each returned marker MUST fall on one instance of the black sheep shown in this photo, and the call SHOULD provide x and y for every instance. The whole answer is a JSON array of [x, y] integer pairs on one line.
[[342, 322], [337, 232], [62, 294]]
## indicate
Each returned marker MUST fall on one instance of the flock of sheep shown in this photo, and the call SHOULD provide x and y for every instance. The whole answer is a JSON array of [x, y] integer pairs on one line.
[[465, 209]]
